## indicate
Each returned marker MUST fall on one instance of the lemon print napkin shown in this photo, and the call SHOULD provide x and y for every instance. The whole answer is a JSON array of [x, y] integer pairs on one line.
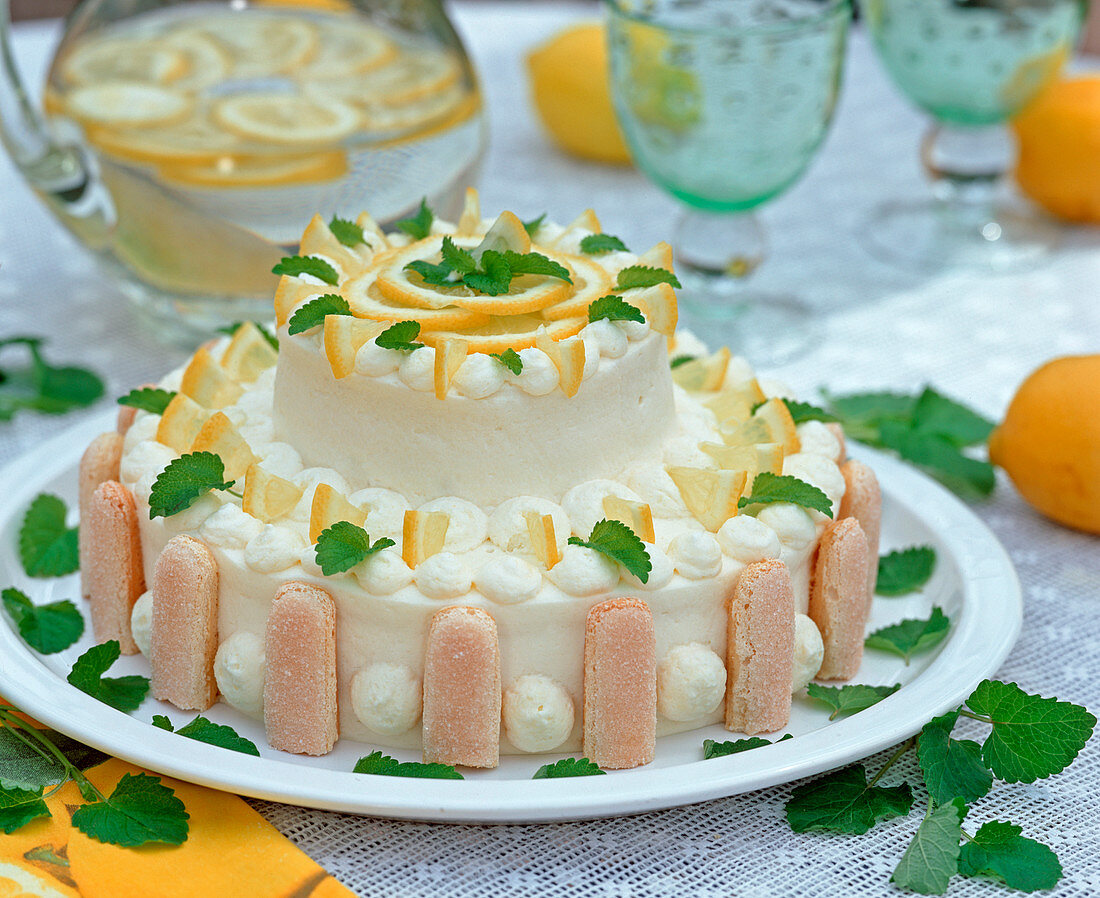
[[230, 850]]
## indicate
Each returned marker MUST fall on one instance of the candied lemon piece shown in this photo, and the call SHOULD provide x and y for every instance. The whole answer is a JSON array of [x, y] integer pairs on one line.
[[330, 506], [567, 356], [127, 104], [345, 335], [507, 233], [711, 496], [703, 374], [752, 459], [658, 256], [638, 516], [248, 354], [218, 435], [470, 221], [205, 381], [544, 543], [286, 118], [658, 305], [290, 294], [423, 535], [449, 356], [781, 425], [317, 238], [268, 497], [181, 422], [734, 404]]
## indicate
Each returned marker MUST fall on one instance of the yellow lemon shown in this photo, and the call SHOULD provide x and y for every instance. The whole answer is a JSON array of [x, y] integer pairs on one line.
[[569, 84], [1049, 441]]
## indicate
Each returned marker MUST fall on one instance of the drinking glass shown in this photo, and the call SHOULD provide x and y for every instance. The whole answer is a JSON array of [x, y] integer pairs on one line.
[[971, 64], [723, 104]]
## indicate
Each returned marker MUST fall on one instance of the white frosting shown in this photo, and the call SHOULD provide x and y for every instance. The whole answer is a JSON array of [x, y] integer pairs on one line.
[[819, 471], [634, 330], [651, 482], [537, 713], [584, 503], [373, 360], [146, 455], [143, 488], [507, 525], [308, 561], [696, 554], [816, 438], [775, 388], [144, 428], [508, 580], [385, 511], [748, 539], [239, 672], [610, 339], [274, 549], [809, 651], [280, 459], [660, 574], [791, 523], [691, 682], [230, 527], [584, 572], [479, 376], [383, 573], [308, 479], [468, 526], [417, 369], [192, 517], [386, 698], [141, 622], [443, 576], [539, 375]]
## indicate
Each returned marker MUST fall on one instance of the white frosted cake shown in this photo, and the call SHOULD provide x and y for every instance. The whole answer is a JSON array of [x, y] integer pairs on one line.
[[510, 422]]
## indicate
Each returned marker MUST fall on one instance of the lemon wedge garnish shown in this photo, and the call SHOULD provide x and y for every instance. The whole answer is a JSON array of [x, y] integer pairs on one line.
[[423, 535], [268, 497], [248, 354], [205, 381], [218, 435], [344, 337], [330, 506], [181, 422], [544, 542], [506, 234], [711, 496]]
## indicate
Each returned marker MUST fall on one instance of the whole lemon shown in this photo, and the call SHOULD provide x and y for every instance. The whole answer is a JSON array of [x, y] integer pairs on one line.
[[569, 84], [1049, 441]]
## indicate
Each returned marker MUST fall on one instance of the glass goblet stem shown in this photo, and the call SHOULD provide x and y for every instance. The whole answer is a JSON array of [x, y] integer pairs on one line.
[[720, 247], [967, 165]]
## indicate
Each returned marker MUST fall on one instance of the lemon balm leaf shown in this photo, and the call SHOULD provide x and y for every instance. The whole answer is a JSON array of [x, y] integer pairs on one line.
[[420, 225], [712, 749], [851, 698], [532, 226], [344, 545], [594, 244], [905, 570], [643, 276], [951, 767], [436, 275], [399, 337], [568, 767], [801, 412], [510, 359], [184, 480], [619, 543], [124, 693], [203, 730], [681, 360], [347, 232], [493, 278], [935, 413], [614, 308], [999, 850], [383, 765], [47, 547], [1033, 737], [932, 858], [294, 266], [45, 628], [140, 810], [535, 263], [456, 258], [910, 636], [18, 807], [148, 399], [845, 802], [940, 457], [313, 312], [768, 488]]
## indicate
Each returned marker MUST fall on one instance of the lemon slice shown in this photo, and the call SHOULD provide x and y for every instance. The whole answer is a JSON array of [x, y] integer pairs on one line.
[[318, 239], [409, 77], [207, 62], [703, 374], [193, 139], [711, 496], [268, 497], [330, 506], [503, 332], [590, 282], [260, 171], [263, 44], [286, 118], [145, 60], [638, 516], [449, 106], [127, 104], [507, 233], [207, 383], [658, 305], [248, 354], [366, 301], [449, 356], [344, 337], [218, 435], [423, 535], [348, 45], [544, 542]]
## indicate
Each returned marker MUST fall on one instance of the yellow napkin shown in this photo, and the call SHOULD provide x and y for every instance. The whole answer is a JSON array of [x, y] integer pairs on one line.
[[230, 850]]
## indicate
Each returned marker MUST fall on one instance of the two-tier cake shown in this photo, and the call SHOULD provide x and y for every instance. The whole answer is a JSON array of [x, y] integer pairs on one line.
[[481, 498]]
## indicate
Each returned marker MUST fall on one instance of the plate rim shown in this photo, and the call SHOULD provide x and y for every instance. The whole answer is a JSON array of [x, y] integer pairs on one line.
[[975, 650]]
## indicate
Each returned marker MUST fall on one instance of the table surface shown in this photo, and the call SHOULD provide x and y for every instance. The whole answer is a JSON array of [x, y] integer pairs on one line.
[[975, 337]]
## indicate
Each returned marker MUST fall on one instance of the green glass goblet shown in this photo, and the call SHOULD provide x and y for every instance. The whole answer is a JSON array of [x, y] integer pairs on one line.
[[723, 104], [971, 64]]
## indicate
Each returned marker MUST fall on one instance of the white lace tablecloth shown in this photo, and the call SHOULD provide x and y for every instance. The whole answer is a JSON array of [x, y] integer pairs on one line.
[[973, 337]]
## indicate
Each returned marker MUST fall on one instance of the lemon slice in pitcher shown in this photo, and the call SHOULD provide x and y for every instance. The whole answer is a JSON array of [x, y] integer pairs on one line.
[[264, 44], [143, 60], [193, 139], [127, 104], [286, 118], [346, 46], [260, 171], [408, 78]]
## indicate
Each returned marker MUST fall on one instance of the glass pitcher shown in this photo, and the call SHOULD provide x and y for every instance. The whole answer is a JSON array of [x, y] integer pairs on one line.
[[188, 143]]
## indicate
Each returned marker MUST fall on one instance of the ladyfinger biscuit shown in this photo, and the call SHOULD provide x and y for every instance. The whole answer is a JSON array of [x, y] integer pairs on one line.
[[837, 430], [99, 462], [112, 563], [760, 649], [863, 501], [838, 597], [300, 670], [462, 689], [185, 624], [620, 684]]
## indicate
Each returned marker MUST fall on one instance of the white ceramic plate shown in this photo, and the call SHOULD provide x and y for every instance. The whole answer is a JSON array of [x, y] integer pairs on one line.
[[974, 583]]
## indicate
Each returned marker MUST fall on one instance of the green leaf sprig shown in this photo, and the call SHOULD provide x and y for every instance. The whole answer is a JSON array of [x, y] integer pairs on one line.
[[712, 749], [801, 412], [400, 337], [532, 226], [510, 359], [905, 570], [1030, 738], [928, 429], [203, 730], [47, 546], [314, 312], [679, 360], [614, 308], [491, 275], [568, 767], [41, 386], [148, 399], [595, 244], [910, 636], [644, 276], [184, 480], [420, 225], [850, 698], [231, 329], [45, 628], [347, 232], [768, 488], [140, 810], [344, 545], [124, 693], [383, 765], [295, 266], [619, 543]]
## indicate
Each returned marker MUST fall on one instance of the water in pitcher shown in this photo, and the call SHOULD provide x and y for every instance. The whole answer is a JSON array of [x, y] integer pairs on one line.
[[218, 132]]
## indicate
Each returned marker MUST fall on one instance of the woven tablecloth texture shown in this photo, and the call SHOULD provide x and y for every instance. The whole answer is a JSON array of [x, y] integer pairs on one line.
[[973, 337]]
